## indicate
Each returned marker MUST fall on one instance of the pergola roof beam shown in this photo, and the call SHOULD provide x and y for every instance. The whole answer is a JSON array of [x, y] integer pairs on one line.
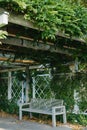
[[19, 19], [27, 62], [31, 44]]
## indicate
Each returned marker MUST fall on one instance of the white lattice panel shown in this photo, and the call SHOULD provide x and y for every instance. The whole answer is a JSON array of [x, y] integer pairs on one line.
[[41, 86], [16, 90]]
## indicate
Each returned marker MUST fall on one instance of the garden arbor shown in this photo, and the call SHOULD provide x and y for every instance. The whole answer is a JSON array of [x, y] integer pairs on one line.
[[24, 49]]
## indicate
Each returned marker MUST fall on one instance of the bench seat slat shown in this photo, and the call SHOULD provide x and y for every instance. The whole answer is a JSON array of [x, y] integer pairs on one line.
[[36, 111], [40, 111]]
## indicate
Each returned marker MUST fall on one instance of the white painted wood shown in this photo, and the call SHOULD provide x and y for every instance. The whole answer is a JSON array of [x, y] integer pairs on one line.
[[4, 19], [53, 118], [33, 96], [22, 96], [64, 115], [20, 112], [27, 85], [52, 107], [9, 85], [76, 98]]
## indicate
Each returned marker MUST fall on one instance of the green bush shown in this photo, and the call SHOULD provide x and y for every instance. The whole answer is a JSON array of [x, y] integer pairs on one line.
[[77, 119], [8, 106]]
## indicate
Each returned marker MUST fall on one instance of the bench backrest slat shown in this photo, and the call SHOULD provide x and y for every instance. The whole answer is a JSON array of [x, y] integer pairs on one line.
[[45, 104]]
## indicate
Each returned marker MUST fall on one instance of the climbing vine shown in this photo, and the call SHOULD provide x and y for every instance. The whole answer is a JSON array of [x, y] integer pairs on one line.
[[53, 17], [66, 83]]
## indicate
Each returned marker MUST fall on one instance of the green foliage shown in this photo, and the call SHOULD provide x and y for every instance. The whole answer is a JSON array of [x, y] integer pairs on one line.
[[3, 34], [8, 106], [64, 88], [57, 17], [52, 17], [83, 2], [12, 5], [20, 75], [77, 119]]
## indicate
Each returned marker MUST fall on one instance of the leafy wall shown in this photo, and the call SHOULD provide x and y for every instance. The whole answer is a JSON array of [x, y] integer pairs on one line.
[[64, 85]]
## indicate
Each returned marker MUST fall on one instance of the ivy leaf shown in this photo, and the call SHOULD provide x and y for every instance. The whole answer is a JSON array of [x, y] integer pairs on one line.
[[3, 34]]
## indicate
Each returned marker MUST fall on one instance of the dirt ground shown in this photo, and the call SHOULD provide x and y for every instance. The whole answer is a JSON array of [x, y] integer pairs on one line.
[[10, 122]]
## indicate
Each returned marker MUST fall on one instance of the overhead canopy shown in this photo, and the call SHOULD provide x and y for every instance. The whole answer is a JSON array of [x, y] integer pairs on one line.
[[25, 47]]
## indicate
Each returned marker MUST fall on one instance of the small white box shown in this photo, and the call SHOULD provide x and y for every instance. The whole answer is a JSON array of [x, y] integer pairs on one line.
[[4, 19]]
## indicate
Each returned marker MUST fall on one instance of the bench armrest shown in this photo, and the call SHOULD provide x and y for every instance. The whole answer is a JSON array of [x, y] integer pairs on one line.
[[60, 108], [23, 104]]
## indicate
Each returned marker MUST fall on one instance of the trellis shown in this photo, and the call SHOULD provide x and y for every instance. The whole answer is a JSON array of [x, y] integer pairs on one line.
[[10, 92], [41, 86], [13, 89], [16, 90]]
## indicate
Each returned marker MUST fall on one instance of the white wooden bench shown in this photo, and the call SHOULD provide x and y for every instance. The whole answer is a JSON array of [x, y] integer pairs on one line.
[[44, 106]]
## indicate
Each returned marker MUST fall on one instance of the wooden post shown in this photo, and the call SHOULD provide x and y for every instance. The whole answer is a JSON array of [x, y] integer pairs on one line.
[[9, 85], [76, 98], [27, 84], [33, 93], [22, 96]]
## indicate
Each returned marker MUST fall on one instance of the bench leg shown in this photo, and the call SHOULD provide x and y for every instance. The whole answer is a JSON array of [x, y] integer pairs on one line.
[[54, 120], [30, 115], [64, 116], [20, 114]]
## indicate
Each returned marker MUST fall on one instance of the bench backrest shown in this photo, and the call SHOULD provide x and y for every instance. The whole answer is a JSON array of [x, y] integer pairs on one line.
[[45, 104]]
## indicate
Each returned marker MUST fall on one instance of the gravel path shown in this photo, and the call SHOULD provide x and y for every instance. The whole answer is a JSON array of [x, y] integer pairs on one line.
[[14, 124]]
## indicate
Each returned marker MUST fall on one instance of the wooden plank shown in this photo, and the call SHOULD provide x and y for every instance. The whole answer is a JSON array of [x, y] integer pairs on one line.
[[27, 62], [17, 68], [27, 89], [31, 44], [19, 19], [13, 69], [9, 85]]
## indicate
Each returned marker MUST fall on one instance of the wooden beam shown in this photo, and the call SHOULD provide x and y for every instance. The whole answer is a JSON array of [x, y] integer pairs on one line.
[[31, 44], [13, 69], [27, 62], [19, 19], [22, 68]]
